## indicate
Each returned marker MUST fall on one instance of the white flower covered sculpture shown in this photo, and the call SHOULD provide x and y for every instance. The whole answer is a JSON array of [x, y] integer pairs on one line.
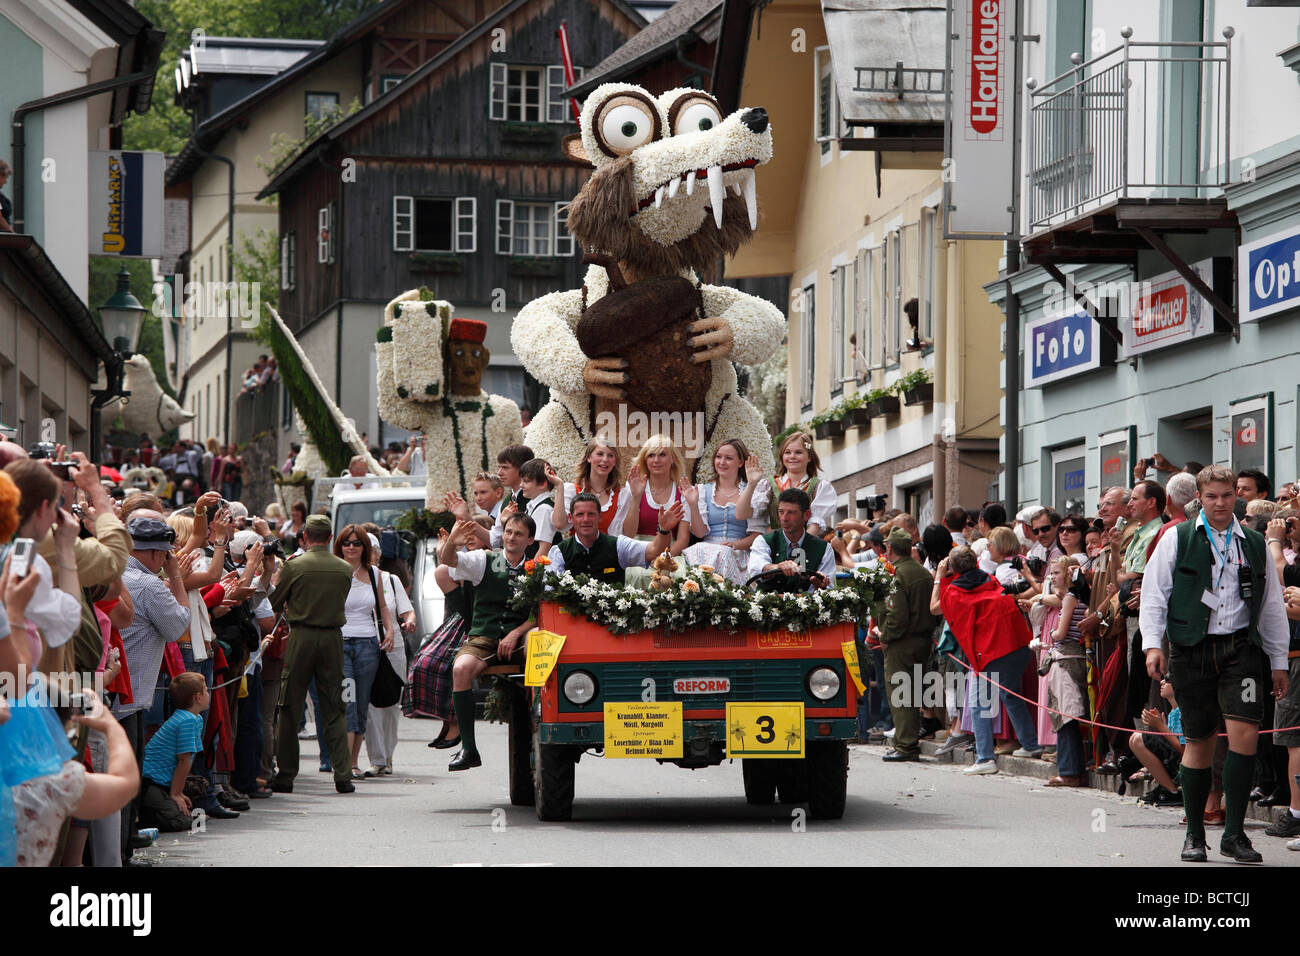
[[430, 367], [644, 346]]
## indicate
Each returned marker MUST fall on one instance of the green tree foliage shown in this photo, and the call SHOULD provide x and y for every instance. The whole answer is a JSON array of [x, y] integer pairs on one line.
[[258, 260], [166, 127]]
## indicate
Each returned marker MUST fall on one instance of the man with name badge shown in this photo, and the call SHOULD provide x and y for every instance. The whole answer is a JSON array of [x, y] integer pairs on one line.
[[1211, 584]]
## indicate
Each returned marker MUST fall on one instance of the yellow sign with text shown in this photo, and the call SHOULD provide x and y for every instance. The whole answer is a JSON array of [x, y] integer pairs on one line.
[[850, 650], [643, 730], [765, 730], [543, 652]]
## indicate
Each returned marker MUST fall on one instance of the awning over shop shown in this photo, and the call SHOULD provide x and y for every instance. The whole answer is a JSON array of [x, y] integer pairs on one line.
[[888, 60]]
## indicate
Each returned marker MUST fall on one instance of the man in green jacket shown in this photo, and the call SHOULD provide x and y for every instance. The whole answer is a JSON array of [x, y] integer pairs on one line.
[[312, 590], [907, 633]]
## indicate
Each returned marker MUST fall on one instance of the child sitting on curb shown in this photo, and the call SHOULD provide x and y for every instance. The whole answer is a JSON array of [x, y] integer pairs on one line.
[[168, 755], [1161, 755]]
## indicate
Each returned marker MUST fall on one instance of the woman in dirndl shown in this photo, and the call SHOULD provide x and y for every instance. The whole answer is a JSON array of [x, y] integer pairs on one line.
[[726, 539]]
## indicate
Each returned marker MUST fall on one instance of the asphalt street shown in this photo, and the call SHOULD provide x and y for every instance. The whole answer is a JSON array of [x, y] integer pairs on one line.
[[634, 812]]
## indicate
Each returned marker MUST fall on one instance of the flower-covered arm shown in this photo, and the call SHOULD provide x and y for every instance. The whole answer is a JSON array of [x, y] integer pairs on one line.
[[543, 338], [757, 326]]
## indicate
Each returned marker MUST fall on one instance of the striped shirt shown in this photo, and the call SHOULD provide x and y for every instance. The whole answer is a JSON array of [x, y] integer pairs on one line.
[[158, 620]]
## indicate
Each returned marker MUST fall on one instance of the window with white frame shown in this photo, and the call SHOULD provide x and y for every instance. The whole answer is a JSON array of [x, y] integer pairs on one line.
[[557, 104], [288, 261], [929, 259], [826, 102], [840, 276], [529, 94], [807, 346], [893, 296], [864, 309], [321, 105], [533, 228], [431, 224], [388, 81], [326, 241]]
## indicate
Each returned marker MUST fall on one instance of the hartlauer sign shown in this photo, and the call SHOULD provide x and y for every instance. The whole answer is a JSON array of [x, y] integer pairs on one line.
[[980, 135], [1167, 310]]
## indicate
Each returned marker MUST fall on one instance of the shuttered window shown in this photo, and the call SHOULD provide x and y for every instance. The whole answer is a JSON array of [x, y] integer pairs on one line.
[[430, 224], [403, 223], [466, 224], [497, 97], [505, 226], [563, 241], [323, 234], [288, 263], [557, 105]]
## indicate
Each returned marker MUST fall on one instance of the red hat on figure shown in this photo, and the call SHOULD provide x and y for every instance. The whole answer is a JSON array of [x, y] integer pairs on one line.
[[467, 330]]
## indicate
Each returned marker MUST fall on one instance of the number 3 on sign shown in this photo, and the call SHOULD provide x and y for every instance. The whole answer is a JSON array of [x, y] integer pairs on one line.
[[765, 730]]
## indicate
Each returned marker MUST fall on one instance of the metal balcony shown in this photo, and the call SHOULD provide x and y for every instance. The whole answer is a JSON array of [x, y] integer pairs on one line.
[[1141, 121]]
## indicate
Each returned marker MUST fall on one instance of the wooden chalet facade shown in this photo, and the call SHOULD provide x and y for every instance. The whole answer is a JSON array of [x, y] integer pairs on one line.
[[451, 179]]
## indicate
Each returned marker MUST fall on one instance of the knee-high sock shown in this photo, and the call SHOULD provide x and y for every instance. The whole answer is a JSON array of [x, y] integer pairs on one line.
[[1238, 772], [1196, 788], [463, 702]]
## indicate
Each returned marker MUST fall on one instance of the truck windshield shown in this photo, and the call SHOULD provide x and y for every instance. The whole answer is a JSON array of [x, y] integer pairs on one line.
[[381, 512]]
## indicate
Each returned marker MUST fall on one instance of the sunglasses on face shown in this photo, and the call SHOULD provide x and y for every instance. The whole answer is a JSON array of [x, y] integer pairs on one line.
[[1045, 529], [1071, 529], [351, 543]]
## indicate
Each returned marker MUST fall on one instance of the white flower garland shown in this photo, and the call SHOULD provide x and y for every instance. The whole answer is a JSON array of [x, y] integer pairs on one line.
[[417, 350]]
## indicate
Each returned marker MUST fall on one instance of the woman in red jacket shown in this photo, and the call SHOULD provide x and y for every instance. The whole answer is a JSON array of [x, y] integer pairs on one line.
[[995, 638]]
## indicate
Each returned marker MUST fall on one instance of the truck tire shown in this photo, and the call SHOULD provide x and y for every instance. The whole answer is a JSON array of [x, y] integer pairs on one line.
[[792, 780], [521, 752], [760, 782], [553, 767], [828, 779]]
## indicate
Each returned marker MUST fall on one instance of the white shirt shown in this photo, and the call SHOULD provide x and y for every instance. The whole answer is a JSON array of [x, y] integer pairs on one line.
[[631, 553], [359, 609], [472, 565], [57, 613], [823, 505], [395, 594], [1230, 613], [541, 513], [1006, 575], [760, 554]]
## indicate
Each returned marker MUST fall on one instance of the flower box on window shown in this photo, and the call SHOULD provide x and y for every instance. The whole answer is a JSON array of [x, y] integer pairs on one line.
[[441, 263], [884, 405], [859, 417], [535, 267], [832, 428], [922, 394], [528, 134]]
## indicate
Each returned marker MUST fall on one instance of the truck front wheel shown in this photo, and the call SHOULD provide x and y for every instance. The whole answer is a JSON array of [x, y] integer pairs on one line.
[[828, 778], [553, 766], [760, 781], [521, 751]]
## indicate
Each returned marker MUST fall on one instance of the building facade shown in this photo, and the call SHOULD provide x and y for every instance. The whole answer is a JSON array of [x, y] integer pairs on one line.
[[1177, 330]]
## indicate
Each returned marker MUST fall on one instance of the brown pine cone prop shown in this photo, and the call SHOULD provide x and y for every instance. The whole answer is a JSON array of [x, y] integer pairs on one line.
[[648, 325]]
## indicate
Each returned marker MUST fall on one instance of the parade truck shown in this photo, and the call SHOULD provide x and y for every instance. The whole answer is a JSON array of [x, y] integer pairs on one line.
[[783, 700]]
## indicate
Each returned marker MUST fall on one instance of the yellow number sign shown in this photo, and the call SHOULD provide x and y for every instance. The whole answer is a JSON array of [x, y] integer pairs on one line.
[[850, 650], [543, 652], [765, 730], [643, 730]]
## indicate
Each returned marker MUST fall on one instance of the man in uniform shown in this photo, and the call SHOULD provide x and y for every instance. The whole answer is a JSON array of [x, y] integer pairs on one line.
[[790, 548], [1212, 585], [601, 556], [312, 590], [906, 633]]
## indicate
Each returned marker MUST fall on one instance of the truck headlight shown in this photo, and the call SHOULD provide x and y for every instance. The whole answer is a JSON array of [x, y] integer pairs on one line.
[[823, 683], [579, 687]]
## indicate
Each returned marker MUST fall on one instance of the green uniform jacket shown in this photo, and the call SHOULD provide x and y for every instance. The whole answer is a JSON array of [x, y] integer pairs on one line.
[[907, 610], [313, 589]]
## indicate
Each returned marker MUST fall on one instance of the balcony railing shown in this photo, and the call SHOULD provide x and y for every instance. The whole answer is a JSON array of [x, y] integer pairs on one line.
[[1144, 120], [897, 79]]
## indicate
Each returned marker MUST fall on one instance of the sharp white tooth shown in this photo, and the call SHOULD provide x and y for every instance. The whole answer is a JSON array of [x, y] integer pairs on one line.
[[717, 194], [673, 186], [690, 182], [659, 197], [751, 198]]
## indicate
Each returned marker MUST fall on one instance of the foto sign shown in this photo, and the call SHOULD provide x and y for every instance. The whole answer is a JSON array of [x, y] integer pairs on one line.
[[126, 203], [1167, 311], [1060, 347], [980, 135], [1269, 275]]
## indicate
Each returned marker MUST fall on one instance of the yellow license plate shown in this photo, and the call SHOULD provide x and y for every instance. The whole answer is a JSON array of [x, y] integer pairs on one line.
[[765, 730]]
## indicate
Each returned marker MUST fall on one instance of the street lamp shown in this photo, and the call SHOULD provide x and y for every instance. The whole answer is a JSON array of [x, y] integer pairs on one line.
[[122, 316]]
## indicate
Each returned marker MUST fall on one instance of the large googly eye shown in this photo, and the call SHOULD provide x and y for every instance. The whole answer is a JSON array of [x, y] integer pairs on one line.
[[627, 125], [695, 117]]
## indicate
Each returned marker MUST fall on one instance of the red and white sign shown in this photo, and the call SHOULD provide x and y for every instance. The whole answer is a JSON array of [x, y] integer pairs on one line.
[[1166, 310], [978, 176], [702, 685]]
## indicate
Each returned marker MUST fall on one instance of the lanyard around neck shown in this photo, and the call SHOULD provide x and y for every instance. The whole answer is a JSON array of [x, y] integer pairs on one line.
[[1227, 547]]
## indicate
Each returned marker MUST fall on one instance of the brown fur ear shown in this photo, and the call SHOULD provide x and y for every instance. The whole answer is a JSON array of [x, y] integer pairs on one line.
[[574, 151]]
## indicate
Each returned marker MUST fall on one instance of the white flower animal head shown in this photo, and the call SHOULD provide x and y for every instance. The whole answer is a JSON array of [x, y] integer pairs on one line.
[[664, 165]]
